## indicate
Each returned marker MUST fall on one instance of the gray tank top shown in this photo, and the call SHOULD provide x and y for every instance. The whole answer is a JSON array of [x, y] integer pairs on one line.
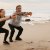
[[16, 21]]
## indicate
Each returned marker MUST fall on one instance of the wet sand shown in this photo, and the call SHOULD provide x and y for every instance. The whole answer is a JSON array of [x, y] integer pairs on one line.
[[35, 37]]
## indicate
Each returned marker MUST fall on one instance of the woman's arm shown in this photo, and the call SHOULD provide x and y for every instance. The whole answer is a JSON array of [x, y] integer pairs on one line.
[[7, 18]]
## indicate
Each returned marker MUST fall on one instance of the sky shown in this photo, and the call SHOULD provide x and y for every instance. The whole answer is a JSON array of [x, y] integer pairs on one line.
[[39, 8]]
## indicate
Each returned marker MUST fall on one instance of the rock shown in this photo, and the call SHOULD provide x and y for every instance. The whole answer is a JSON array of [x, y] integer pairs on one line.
[[27, 20]]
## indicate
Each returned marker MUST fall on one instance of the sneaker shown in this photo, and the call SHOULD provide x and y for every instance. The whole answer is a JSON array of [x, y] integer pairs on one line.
[[11, 40], [5, 42], [18, 38]]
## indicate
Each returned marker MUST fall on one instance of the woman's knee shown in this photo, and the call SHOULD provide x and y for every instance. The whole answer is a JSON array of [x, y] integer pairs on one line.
[[7, 32]]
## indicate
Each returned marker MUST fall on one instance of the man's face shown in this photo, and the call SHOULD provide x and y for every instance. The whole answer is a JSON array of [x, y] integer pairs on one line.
[[18, 9]]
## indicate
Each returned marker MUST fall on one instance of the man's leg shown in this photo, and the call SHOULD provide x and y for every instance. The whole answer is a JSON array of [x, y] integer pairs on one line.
[[3, 30], [11, 33], [19, 33]]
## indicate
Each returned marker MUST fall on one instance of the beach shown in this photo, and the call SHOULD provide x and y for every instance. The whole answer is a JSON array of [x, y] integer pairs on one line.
[[35, 37]]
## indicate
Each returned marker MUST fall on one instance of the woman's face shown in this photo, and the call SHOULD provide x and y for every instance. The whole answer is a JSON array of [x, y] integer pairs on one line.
[[2, 13]]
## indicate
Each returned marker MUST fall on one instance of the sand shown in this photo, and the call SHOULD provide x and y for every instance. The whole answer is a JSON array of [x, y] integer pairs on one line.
[[35, 37]]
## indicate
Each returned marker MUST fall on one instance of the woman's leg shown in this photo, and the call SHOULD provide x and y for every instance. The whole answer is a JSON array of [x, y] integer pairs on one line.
[[3, 30]]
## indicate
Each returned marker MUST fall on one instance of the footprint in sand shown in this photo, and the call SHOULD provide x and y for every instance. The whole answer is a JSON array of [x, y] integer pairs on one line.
[[30, 49], [29, 42], [6, 49]]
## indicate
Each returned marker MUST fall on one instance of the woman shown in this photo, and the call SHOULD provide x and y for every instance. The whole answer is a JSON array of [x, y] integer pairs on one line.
[[3, 19]]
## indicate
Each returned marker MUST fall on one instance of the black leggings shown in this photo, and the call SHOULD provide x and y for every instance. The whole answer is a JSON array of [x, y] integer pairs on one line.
[[3, 30], [13, 30]]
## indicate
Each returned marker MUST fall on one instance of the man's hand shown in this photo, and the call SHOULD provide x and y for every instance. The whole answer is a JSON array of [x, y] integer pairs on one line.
[[30, 13]]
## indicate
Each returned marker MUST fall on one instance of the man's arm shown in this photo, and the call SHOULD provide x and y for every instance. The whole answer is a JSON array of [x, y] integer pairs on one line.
[[24, 13]]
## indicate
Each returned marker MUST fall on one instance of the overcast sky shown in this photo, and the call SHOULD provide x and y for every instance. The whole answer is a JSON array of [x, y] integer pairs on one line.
[[27, 1], [38, 7]]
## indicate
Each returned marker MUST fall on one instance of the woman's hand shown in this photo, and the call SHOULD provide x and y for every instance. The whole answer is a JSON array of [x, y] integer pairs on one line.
[[13, 16]]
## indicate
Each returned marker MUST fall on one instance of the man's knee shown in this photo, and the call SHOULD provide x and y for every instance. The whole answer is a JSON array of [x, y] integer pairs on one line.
[[21, 29]]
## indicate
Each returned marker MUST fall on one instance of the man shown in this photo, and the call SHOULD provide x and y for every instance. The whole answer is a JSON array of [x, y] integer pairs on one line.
[[15, 23]]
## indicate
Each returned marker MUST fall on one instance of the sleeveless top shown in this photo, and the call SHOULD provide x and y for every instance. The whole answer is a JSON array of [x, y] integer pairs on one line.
[[2, 23], [16, 21]]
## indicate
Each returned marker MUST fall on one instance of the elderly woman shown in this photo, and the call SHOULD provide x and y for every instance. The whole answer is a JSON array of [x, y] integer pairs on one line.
[[3, 19]]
